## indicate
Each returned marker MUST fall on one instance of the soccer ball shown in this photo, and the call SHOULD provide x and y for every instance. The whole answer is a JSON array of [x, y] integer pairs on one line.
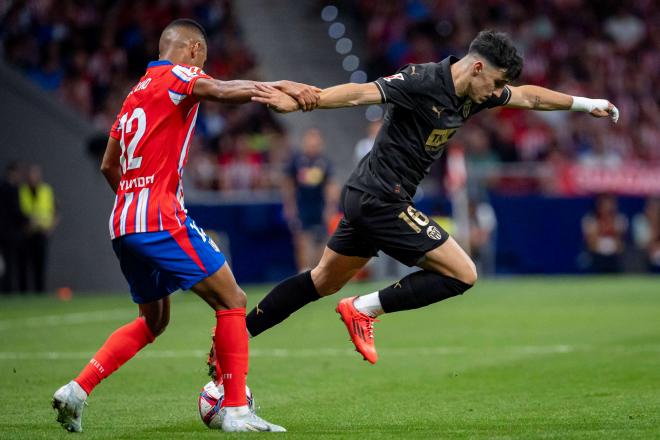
[[210, 401]]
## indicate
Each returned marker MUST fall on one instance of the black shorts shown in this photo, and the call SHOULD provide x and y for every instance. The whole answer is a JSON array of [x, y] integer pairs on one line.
[[396, 228]]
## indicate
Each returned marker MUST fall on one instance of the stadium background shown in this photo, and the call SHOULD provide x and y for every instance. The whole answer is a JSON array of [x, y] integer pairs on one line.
[[545, 356]]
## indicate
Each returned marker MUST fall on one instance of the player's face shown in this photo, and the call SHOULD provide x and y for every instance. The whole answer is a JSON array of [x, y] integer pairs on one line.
[[486, 81]]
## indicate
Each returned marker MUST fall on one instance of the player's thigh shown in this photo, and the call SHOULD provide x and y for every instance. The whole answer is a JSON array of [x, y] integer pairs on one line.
[[335, 270], [220, 290], [156, 314], [451, 260]]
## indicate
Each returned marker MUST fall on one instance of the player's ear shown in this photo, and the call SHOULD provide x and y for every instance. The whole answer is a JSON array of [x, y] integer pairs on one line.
[[477, 67]]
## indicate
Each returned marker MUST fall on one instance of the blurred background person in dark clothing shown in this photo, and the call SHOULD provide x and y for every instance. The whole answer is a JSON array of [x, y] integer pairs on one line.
[[12, 223], [604, 233], [646, 233], [310, 196]]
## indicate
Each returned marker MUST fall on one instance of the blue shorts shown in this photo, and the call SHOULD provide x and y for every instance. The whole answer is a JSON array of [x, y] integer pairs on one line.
[[156, 264]]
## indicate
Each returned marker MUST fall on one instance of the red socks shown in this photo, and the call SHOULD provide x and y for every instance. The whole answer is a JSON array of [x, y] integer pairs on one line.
[[122, 345], [231, 352]]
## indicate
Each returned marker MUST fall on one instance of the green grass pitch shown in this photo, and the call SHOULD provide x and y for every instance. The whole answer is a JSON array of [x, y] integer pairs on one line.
[[551, 358]]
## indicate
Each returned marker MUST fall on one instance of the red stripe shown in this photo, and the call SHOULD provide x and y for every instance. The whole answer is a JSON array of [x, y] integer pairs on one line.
[[152, 213], [180, 235]]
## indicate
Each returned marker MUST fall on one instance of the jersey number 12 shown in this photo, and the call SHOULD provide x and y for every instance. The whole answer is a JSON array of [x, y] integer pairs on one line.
[[127, 159]]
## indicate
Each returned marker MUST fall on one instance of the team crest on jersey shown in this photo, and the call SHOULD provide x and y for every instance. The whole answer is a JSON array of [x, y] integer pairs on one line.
[[395, 76], [433, 233], [467, 107]]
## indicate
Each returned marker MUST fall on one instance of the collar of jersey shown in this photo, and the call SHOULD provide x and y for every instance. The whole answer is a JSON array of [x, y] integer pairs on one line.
[[159, 63], [449, 80]]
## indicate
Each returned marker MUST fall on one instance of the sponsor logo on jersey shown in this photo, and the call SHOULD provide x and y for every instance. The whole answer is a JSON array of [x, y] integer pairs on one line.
[[433, 233], [136, 182], [438, 138], [185, 74], [395, 76]]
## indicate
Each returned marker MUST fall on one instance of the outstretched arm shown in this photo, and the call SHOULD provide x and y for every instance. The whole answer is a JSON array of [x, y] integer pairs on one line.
[[343, 95], [241, 91], [540, 98]]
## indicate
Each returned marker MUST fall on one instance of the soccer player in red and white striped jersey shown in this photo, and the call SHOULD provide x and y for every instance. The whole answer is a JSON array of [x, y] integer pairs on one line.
[[160, 249]]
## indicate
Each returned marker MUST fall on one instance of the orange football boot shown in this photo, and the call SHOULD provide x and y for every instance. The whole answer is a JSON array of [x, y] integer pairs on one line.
[[360, 327]]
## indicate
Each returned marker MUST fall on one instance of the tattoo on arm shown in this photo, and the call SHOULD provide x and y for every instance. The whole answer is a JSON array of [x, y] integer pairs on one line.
[[537, 102]]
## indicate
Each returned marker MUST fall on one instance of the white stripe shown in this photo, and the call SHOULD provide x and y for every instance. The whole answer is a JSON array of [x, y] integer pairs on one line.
[[111, 222], [160, 221], [382, 91], [128, 199], [182, 158], [346, 352], [141, 211], [184, 149], [66, 319]]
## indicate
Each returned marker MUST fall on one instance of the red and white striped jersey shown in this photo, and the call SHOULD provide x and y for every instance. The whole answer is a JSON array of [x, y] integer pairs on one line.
[[154, 128]]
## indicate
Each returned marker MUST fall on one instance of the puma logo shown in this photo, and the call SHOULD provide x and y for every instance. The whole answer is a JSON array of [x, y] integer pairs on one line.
[[438, 112]]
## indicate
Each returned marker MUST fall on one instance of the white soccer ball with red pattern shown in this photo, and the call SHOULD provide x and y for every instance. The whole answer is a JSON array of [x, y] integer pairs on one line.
[[210, 401]]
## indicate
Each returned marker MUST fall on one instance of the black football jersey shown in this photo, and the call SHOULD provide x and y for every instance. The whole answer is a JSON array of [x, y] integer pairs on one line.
[[423, 114]]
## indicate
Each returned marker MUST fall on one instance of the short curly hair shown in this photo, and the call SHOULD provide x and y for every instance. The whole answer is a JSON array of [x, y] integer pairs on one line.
[[499, 50]]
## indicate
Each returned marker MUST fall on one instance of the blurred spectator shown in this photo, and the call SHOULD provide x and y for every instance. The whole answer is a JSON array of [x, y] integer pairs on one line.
[[581, 48], [604, 233], [12, 223], [241, 166], [310, 196], [646, 233], [37, 203], [365, 145], [482, 241]]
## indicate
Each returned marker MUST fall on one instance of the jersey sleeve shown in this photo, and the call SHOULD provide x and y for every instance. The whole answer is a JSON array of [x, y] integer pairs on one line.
[[401, 88], [114, 131], [504, 98], [183, 81]]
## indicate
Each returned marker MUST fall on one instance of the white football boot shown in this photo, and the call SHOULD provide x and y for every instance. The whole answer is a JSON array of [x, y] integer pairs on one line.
[[239, 420], [69, 401]]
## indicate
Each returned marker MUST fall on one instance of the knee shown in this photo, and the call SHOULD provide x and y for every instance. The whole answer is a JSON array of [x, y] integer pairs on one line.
[[469, 275], [236, 299], [325, 283]]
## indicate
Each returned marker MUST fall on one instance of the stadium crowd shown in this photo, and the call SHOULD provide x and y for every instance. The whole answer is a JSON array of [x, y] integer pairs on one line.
[[604, 49], [91, 53]]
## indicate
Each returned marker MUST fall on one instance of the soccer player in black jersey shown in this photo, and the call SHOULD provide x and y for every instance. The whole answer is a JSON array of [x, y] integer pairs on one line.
[[427, 104]]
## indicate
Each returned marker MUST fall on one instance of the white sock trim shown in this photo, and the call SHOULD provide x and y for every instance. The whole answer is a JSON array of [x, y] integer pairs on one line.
[[369, 304]]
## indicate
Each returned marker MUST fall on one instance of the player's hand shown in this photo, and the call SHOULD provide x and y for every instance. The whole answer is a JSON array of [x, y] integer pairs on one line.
[[610, 111], [273, 98], [307, 96]]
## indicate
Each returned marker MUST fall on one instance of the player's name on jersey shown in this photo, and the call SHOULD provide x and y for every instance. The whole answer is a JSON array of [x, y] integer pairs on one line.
[[136, 182]]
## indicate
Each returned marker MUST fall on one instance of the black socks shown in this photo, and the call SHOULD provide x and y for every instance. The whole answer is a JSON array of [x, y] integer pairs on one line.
[[420, 289], [285, 298]]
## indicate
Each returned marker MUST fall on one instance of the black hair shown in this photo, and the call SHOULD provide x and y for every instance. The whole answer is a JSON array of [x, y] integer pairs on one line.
[[499, 50], [190, 24]]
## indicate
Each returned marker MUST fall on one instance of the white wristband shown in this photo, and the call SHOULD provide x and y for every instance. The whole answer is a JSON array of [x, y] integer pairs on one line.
[[581, 104]]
